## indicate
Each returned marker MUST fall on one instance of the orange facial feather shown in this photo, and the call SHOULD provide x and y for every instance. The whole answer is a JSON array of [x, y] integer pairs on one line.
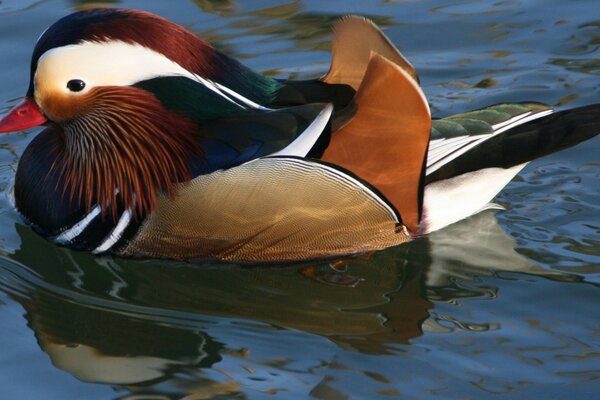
[[124, 144]]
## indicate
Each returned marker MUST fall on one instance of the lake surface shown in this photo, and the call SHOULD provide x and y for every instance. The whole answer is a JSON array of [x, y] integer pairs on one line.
[[502, 305]]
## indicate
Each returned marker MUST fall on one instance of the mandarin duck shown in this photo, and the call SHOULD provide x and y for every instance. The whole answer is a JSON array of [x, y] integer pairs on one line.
[[158, 145]]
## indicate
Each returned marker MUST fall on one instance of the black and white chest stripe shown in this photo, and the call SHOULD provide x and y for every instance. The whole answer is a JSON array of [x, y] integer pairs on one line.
[[97, 234]]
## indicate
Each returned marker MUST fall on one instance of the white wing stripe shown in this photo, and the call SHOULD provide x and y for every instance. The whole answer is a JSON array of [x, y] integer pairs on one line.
[[524, 120], [453, 155], [451, 152], [450, 144], [229, 94], [510, 121], [307, 139], [240, 97], [434, 158], [211, 85]]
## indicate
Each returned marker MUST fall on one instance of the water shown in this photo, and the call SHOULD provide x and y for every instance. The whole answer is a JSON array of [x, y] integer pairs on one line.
[[500, 305]]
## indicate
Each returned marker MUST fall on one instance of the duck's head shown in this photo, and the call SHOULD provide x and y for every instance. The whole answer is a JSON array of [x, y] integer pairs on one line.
[[89, 84], [89, 51]]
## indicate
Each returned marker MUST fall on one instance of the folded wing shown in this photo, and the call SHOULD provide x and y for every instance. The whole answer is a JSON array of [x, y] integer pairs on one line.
[[271, 209]]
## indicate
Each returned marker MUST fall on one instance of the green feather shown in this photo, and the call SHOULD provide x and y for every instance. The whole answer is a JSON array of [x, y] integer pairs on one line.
[[256, 87], [189, 98], [480, 122]]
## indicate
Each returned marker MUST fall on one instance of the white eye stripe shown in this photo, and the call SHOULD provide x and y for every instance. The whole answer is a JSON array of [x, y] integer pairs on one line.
[[117, 63], [105, 63]]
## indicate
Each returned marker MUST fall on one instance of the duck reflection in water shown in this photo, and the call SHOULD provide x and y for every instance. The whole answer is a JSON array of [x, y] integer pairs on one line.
[[126, 322]]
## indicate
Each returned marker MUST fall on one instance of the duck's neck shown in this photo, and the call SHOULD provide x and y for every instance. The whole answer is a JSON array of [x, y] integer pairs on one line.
[[128, 146]]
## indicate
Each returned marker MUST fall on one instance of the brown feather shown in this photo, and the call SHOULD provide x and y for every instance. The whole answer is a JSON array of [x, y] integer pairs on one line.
[[126, 145], [268, 210], [160, 35], [353, 41], [386, 142]]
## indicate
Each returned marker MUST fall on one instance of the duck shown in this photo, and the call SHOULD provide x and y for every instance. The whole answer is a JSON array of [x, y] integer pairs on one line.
[[158, 145]]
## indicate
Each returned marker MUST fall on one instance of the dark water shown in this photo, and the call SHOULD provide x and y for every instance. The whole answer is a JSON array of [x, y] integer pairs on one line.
[[498, 306]]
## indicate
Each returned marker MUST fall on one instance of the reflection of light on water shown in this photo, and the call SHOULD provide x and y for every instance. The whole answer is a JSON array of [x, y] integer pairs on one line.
[[87, 364], [555, 221], [12, 6], [476, 246], [169, 301]]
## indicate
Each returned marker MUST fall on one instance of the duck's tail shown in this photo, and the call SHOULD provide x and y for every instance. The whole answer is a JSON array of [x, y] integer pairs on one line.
[[386, 141], [477, 167]]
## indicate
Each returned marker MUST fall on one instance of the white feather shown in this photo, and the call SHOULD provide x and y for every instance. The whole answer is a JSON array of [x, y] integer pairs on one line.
[[447, 147], [68, 235], [116, 63], [114, 236], [446, 150], [448, 201], [307, 139]]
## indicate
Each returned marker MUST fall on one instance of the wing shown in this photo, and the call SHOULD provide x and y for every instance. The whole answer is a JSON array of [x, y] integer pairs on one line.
[[474, 173], [233, 129], [520, 141], [455, 135], [354, 40], [295, 131], [271, 209], [386, 142]]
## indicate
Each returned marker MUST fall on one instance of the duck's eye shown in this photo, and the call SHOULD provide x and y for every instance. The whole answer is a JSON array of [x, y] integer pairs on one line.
[[75, 85]]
